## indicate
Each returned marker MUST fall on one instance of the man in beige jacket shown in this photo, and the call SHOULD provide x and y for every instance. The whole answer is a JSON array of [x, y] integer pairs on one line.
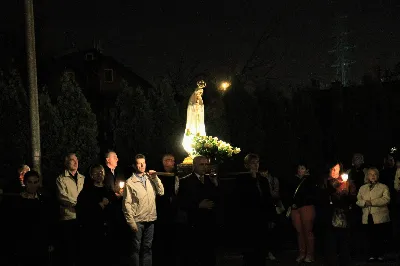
[[69, 185], [139, 206]]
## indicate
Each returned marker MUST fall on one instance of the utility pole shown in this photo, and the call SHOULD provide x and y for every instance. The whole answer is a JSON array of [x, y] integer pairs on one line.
[[33, 88], [341, 50], [342, 47]]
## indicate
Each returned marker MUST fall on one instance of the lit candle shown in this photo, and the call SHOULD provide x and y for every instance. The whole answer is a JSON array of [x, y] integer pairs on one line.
[[121, 184], [345, 177]]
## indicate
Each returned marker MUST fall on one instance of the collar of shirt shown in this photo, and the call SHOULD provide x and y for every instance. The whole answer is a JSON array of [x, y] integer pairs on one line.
[[141, 178], [199, 177]]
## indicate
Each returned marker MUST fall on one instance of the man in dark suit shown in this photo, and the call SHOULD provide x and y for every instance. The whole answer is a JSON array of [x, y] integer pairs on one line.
[[165, 244], [114, 181], [198, 197]]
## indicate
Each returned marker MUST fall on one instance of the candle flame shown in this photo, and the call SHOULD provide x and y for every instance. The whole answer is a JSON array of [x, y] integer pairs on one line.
[[121, 184], [345, 177]]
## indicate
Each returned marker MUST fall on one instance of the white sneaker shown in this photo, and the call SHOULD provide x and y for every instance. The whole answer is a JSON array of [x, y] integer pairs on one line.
[[308, 259], [300, 259], [271, 256]]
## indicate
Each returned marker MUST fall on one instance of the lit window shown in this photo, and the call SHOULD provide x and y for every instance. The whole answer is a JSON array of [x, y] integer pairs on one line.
[[89, 57], [108, 75]]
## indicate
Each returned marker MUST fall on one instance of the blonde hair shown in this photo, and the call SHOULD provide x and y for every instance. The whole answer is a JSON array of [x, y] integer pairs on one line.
[[23, 168], [366, 179]]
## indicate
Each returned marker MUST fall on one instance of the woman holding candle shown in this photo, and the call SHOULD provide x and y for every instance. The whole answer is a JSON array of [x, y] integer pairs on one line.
[[373, 198], [340, 195]]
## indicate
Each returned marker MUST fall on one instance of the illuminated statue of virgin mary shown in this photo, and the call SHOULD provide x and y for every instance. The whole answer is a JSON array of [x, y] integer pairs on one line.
[[195, 118]]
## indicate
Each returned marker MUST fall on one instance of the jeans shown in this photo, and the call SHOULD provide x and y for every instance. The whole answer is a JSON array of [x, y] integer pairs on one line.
[[303, 221], [141, 254]]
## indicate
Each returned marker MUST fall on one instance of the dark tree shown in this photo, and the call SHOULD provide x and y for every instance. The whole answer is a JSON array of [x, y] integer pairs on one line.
[[135, 123], [244, 120], [50, 135], [14, 116], [79, 126], [168, 133]]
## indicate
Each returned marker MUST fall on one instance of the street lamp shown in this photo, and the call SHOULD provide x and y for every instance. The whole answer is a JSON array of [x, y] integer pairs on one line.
[[225, 85]]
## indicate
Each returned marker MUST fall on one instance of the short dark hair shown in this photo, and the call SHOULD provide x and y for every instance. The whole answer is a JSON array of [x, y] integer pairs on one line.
[[95, 167], [168, 155], [139, 156], [302, 163], [30, 174]]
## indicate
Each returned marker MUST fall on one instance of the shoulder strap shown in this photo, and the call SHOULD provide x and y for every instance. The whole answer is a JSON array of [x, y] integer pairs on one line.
[[298, 186]]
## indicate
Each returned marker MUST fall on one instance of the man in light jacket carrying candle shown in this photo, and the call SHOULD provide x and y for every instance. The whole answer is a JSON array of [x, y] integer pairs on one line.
[[139, 206]]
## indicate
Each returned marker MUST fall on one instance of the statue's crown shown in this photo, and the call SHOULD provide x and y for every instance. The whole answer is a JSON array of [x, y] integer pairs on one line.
[[201, 84]]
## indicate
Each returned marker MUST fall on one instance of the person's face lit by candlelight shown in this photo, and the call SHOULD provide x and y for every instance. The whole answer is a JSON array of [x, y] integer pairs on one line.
[[335, 171]]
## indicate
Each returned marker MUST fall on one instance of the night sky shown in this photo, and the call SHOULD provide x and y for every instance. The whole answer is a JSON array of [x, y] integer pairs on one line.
[[152, 36]]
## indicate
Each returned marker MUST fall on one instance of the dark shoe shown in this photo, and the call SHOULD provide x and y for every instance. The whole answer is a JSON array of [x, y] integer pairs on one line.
[[371, 259]]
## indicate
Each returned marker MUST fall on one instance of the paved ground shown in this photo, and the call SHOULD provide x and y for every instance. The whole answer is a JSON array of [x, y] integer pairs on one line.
[[231, 258]]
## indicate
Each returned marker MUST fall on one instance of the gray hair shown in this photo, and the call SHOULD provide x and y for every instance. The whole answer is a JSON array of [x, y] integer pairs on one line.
[[198, 157]]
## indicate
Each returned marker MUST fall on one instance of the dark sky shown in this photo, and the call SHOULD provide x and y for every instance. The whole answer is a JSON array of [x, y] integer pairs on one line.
[[153, 35]]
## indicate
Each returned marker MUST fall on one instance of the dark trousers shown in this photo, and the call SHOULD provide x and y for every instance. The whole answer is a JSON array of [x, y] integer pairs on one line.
[[337, 249], [377, 236], [202, 244], [68, 247], [36, 255], [165, 244], [142, 240], [257, 242], [93, 246]]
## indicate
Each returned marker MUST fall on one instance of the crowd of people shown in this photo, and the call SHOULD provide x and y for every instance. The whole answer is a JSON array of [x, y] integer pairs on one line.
[[111, 218]]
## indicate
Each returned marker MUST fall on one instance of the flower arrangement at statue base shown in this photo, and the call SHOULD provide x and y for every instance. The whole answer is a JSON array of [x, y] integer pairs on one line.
[[213, 148]]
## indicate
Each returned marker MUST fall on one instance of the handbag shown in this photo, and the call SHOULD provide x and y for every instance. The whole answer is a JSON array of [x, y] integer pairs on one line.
[[339, 218], [279, 207], [289, 210]]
